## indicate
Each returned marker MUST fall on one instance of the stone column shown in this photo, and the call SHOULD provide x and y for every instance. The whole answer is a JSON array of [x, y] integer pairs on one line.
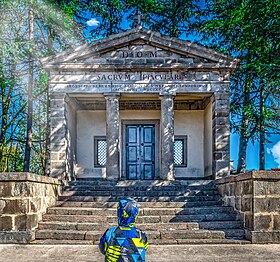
[[167, 137], [112, 136], [58, 136], [221, 134]]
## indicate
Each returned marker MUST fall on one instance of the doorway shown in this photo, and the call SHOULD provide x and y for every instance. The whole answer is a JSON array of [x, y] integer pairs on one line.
[[140, 151]]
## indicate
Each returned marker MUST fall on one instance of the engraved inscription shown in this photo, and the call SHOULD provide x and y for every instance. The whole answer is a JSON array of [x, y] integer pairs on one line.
[[113, 77], [134, 87], [127, 77], [137, 54]]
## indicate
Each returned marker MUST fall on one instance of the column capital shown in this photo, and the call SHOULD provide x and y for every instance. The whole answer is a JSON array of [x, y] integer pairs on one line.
[[221, 96], [57, 96], [72, 102], [110, 95], [167, 94]]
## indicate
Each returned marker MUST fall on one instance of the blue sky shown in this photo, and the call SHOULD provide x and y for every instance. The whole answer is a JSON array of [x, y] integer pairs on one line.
[[253, 153], [272, 151]]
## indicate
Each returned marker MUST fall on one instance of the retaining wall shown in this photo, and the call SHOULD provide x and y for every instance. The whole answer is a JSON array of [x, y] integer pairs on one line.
[[256, 196], [24, 197]]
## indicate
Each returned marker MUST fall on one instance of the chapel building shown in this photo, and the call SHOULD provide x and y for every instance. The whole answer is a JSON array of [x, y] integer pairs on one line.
[[139, 106]]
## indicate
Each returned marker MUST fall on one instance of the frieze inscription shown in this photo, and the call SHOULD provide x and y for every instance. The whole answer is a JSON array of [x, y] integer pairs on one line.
[[133, 87], [140, 76]]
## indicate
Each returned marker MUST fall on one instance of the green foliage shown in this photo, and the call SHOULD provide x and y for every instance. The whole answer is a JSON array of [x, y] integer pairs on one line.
[[111, 13], [172, 17]]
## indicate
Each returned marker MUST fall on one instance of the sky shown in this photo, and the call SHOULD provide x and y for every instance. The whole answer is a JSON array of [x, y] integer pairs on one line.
[[272, 150], [272, 153]]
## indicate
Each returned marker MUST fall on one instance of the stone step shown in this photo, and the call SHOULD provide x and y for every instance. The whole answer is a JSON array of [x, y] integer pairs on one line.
[[151, 242], [142, 193], [142, 211], [145, 219], [95, 235], [234, 233], [143, 183], [220, 225], [91, 186], [54, 225], [145, 194], [197, 242], [152, 204], [190, 201]]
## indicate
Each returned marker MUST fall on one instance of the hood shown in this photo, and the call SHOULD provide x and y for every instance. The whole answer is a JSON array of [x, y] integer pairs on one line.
[[127, 212]]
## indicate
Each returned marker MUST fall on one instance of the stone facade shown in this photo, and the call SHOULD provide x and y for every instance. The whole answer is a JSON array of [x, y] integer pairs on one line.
[[256, 196], [144, 69], [24, 197]]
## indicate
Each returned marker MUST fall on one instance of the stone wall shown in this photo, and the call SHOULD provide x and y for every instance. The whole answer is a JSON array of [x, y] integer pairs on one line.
[[256, 196], [24, 197]]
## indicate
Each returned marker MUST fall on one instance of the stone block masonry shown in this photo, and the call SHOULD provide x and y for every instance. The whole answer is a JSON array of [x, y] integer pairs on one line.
[[24, 197], [256, 196]]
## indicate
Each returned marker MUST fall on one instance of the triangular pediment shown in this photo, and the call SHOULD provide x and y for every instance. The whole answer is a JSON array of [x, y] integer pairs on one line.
[[139, 47]]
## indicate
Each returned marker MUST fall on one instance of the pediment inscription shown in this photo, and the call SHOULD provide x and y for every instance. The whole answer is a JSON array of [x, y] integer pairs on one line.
[[141, 53]]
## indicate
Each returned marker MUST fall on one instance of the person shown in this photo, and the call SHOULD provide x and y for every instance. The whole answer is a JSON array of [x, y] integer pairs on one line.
[[124, 243]]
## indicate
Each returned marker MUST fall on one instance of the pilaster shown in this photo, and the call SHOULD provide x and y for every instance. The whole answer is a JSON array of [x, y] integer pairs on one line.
[[221, 134], [58, 131]]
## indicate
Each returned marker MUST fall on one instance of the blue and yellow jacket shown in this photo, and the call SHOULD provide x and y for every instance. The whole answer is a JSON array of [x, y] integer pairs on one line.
[[124, 243]]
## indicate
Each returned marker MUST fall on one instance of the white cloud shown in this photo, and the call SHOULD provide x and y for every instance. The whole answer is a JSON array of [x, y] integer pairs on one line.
[[275, 151], [93, 22]]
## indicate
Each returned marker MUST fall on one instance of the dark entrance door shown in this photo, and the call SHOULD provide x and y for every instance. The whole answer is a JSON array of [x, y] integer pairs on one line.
[[140, 151]]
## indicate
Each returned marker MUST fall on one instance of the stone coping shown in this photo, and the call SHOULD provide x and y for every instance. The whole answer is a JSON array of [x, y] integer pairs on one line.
[[266, 175], [27, 177]]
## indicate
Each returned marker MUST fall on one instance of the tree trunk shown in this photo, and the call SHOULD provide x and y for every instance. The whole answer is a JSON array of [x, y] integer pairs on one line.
[[48, 133], [243, 142], [28, 144], [242, 152], [4, 114], [262, 128], [3, 123], [16, 157], [6, 91]]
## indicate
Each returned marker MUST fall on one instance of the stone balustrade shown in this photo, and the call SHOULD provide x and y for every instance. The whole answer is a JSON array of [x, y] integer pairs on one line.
[[256, 196], [24, 197]]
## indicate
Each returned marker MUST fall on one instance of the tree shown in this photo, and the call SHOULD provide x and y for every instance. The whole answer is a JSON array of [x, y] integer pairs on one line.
[[232, 27], [23, 82], [12, 105], [174, 18], [111, 13], [28, 140]]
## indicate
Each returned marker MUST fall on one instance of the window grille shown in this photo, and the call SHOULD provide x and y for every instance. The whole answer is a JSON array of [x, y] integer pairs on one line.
[[180, 151], [100, 151]]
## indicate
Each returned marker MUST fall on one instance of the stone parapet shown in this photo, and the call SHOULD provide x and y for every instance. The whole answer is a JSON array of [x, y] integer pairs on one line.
[[256, 196], [24, 197]]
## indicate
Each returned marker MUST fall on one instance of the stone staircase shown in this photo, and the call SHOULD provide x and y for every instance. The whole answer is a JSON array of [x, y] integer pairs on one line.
[[176, 212]]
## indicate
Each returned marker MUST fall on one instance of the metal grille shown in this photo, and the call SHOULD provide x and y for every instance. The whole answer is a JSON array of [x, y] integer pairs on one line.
[[101, 152], [179, 152]]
